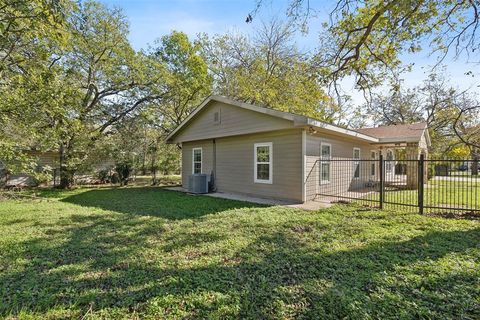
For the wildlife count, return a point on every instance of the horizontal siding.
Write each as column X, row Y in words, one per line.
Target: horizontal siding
column 235, row 165
column 187, row 156
column 42, row 160
column 342, row 173
column 233, row 121
column 51, row 159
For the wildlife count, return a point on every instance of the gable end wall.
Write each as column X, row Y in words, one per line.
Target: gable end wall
column 233, row 121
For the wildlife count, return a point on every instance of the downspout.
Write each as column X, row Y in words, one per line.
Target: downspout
column 214, row 171
column 304, row 165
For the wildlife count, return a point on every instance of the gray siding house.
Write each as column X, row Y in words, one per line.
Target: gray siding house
column 262, row 152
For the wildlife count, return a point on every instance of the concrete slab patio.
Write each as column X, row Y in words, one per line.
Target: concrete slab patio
column 309, row 205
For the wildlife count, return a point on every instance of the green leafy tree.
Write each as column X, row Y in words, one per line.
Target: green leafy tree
column 268, row 70
column 31, row 33
column 366, row 40
column 186, row 79
column 107, row 79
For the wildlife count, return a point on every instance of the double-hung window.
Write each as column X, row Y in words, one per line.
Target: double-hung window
column 263, row 162
column 325, row 164
column 356, row 162
column 197, row 160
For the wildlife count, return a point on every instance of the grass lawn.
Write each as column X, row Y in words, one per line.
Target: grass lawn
column 150, row 253
column 438, row 193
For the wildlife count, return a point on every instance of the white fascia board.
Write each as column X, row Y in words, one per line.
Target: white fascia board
column 326, row 126
column 187, row 119
column 427, row 136
column 398, row 140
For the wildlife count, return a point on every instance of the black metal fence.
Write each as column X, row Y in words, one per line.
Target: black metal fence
column 420, row 185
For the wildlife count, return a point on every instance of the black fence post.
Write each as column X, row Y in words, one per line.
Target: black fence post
column 382, row 181
column 421, row 182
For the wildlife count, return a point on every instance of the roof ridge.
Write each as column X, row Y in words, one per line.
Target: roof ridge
column 393, row 125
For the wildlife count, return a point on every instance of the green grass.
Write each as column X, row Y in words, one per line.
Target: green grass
column 161, row 180
column 438, row 193
column 154, row 254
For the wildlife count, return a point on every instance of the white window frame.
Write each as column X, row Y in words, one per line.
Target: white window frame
column 193, row 160
column 270, row 162
column 356, row 163
column 328, row 161
column 373, row 161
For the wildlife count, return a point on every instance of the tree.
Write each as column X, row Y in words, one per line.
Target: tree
column 186, row 78
column 28, row 29
column 31, row 32
column 467, row 126
column 106, row 78
column 74, row 95
column 366, row 36
column 268, row 70
column 450, row 114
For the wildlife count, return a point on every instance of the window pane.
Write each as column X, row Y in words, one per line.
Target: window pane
column 325, row 151
column 389, row 155
column 263, row 171
column 372, row 169
column 197, row 167
column 263, row 154
column 357, row 170
column 325, row 171
column 197, row 155
column 356, row 154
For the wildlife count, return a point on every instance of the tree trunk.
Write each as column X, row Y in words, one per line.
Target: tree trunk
column 476, row 158
column 66, row 174
column 153, row 170
column 153, row 166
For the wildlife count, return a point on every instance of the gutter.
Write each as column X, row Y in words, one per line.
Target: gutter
column 336, row 129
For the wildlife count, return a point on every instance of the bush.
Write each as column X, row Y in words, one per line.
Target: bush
column 105, row 176
column 123, row 170
column 42, row 175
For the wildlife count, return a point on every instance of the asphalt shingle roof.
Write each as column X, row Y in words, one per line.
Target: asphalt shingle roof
column 414, row 130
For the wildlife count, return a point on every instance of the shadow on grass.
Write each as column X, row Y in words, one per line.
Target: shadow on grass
column 154, row 202
column 99, row 266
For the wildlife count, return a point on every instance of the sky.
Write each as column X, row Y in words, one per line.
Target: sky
column 151, row 19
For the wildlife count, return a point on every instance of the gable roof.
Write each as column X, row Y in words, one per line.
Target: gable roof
column 298, row 120
column 400, row 132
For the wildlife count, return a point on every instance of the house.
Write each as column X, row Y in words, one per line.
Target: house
column 262, row 152
column 49, row 162
column 44, row 161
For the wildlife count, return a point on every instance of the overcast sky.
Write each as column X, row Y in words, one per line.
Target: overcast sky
column 151, row 19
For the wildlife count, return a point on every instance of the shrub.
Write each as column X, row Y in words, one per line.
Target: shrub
column 123, row 170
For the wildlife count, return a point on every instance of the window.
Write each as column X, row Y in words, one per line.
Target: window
column 389, row 162
column 373, row 157
column 263, row 162
column 356, row 164
column 197, row 160
column 325, row 157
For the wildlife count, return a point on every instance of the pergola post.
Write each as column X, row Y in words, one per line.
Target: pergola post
column 412, row 153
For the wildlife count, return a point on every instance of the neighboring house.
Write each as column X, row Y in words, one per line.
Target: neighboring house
column 45, row 160
column 268, row 153
column 49, row 161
